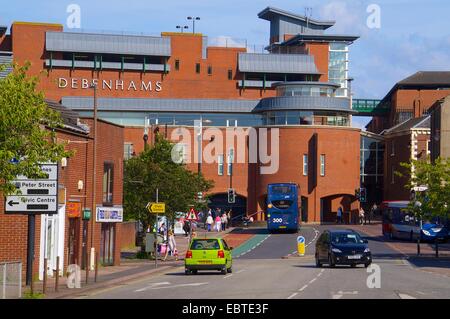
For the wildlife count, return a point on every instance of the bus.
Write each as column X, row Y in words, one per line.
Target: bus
column 399, row 223
column 282, row 207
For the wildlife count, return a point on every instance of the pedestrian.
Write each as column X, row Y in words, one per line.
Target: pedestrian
column 224, row 221
column 229, row 218
column 218, row 225
column 209, row 222
column 372, row 212
column 186, row 228
column 339, row 215
column 361, row 216
column 172, row 245
column 163, row 230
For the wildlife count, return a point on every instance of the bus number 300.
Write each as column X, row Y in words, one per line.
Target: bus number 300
column 277, row 220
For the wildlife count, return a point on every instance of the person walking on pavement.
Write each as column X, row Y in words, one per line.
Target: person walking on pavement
column 209, row 221
column 362, row 216
column 372, row 212
column 339, row 215
column 224, row 221
column 172, row 245
column 218, row 225
column 229, row 218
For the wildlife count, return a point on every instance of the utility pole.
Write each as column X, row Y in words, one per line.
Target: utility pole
column 156, row 232
column 94, row 173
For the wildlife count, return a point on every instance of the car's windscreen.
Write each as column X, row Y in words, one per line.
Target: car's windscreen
column 346, row 238
column 205, row 244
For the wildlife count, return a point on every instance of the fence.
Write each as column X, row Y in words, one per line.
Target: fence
column 10, row 280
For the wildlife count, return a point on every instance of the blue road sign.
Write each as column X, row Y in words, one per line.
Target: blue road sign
column 300, row 239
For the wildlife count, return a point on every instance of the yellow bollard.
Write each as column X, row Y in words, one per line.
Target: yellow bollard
column 301, row 245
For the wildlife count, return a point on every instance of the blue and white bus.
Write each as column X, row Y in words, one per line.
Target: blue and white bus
column 282, row 207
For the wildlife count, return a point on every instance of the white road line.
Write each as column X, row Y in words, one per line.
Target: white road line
column 405, row 296
column 227, row 276
column 153, row 285
column 336, row 296
column 303, row 288
column 293, row 295
column 181, row 285
column 312, row 280
column 242, row 270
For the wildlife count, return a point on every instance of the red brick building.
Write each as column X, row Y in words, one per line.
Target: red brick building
column 297, row 89
column 68, row 234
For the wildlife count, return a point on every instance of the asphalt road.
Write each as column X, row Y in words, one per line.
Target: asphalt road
column 262, row 272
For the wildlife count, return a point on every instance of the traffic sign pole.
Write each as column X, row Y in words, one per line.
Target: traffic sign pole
column 30, row 249
column 156, row 232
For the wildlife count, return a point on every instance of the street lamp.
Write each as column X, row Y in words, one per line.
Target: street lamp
column 94, row 173
column 193, row 22
column 182, row 28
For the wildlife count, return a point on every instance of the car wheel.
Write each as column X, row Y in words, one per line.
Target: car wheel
column 331, row 261
column 194, row 272
column 224, row 270
column 230, row 270
column 318, row 263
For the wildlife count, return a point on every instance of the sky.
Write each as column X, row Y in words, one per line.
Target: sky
column 413, row 35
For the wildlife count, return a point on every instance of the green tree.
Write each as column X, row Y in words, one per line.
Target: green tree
column 154, row 169
column 27, row 129
column 435, row 200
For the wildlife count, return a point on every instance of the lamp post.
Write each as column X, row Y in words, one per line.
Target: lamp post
column 94, row 172
column 182, row 27
column 193, row 22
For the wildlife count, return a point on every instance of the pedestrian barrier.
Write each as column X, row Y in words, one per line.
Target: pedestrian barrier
column 10, row 280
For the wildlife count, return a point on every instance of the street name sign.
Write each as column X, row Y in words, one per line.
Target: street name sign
column 38, row 196
column 156, row 208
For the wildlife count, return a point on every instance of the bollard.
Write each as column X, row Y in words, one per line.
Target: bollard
column 96, row 266
column 57, row 274
column 301, row 245
column 44, row 284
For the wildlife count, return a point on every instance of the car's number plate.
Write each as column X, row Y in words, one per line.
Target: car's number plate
column 205, row 261
column 354, row 257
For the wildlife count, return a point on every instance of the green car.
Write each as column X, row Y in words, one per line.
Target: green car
column 208, row 254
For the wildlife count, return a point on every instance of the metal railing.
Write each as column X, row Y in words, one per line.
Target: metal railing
column 10, row 280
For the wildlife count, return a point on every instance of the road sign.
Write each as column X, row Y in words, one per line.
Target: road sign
column 301, row 245
column 38, row 196
column 192, row 215
column 156, row 208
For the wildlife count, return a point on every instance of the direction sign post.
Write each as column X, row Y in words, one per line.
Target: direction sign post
column 36, row 196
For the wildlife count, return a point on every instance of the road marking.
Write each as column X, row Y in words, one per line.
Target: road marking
column 405, row 296
column 153, row 285
column 242, row 270
column 227, row 276
column 303, row 288
column 293, row 295
column 337, row 296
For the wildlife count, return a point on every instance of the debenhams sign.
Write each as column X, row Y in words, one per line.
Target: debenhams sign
column 111, row 85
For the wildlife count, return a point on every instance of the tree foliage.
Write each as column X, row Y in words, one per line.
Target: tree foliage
column 435, row 201
column 26, row 129
column 154, row 169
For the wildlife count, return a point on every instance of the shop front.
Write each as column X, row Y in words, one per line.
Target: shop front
column 108, row 217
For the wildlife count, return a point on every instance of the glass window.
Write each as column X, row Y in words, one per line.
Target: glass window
column 108, row 181
column 177, row 65
column 220, row 164
column 197, row 67
column 209, row 70
column 128, row 151
column 230, row 74
column 230, row 161
column 322, row 165
column 305, row 164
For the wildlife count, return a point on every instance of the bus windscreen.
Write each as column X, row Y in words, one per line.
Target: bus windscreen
column 281, row 189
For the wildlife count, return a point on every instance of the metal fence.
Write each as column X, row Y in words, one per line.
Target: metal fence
column 10, row 280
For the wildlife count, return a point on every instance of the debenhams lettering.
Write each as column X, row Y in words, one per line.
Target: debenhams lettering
column 112, row 85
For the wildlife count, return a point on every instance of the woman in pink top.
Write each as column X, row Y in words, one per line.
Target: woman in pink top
column 218, row 225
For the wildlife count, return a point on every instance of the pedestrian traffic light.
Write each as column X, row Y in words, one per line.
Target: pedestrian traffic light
column 362, row 195
column 231, row 195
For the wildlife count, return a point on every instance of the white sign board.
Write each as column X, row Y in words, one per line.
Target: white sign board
column 38, row 196
column 109, row 214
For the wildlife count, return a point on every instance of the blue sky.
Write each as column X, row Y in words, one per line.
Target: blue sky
column 414, row 35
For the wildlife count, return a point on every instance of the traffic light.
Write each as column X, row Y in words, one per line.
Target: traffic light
column 231, row 195
column 362, row 195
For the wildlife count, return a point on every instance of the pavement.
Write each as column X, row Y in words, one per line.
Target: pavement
column 266, row 266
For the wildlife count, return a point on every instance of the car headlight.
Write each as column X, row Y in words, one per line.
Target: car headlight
column 426, row 232
column 335, row 250
column 367, row 250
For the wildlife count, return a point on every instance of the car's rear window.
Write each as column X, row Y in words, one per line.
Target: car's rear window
column 205, row 244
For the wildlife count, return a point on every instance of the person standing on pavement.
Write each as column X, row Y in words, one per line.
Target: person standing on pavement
column 229, row 218
column 209, row 221
column 172, row 245
column 339, row 215
column 372, row 212
column 224, row 221
column 218, row 225
column 362, row 216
